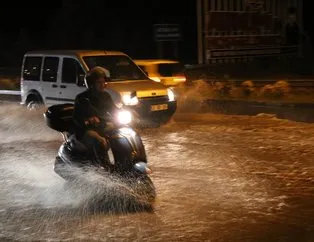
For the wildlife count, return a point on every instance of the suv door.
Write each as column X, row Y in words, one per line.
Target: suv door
column 72, row 80
column 49, row 78
column 30, row 80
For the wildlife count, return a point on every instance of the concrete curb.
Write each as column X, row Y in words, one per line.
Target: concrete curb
column 10, row 92
column 300, row 112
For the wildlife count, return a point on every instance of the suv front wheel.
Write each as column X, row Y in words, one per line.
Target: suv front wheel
column 33, row 103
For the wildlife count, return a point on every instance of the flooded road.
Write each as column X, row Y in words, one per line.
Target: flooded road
column 218, row 178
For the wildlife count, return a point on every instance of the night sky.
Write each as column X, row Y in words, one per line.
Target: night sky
column 119, row 25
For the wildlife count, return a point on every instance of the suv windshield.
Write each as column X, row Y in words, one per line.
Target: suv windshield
column 120, row 67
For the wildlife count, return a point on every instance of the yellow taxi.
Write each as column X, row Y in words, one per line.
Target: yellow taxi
column 168, row 72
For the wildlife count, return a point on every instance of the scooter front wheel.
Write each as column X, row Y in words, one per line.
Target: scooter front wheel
column 144, row 187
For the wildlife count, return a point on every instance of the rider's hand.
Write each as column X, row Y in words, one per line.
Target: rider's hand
column 93, row 120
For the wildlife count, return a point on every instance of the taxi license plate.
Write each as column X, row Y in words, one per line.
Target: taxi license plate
column 159, row 107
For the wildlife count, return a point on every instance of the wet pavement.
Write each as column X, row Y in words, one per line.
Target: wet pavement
column 218, row 178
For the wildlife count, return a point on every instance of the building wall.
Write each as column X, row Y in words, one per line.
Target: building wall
column 250, row 28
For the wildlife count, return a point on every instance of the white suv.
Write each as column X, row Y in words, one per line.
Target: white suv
column 55, row 77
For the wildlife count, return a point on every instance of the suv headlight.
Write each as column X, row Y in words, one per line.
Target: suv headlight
column 170, row 95
column 127, row 100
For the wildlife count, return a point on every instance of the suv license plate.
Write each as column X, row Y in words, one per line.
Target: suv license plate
column 159, row 107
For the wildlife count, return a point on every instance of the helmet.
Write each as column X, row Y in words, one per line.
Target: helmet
column 94, row 74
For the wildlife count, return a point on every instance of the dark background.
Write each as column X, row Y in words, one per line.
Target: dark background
column 115, row 25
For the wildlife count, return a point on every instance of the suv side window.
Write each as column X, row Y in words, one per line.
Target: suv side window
column 72, row 72
column 50, row 69
column 32, row 66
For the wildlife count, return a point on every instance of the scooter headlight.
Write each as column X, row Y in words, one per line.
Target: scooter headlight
column 124, row 117
column 170, row 95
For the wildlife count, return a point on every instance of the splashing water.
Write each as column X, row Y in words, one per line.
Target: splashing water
column 191, row 98
column 19, row 124
column 27, row 151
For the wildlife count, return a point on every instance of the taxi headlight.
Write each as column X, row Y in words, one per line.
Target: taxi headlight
column 170, row 95
column 156, row 79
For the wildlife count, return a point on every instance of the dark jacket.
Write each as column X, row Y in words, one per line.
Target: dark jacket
column 88, row 104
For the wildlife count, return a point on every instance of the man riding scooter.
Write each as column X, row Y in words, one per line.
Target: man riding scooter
column 89, row 106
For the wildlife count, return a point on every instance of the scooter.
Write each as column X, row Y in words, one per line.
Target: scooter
column 126, row 154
